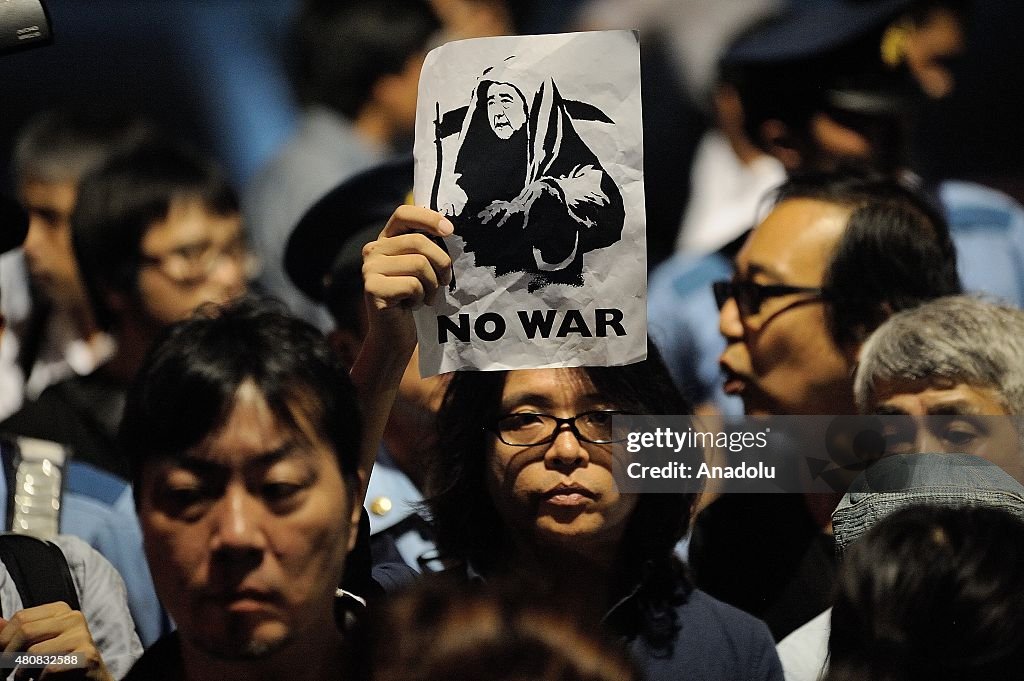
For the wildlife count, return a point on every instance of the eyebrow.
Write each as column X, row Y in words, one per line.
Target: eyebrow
column 544, row 402
column 766, row 269
column 198, row 244
column 952, row 408
column 955, row 408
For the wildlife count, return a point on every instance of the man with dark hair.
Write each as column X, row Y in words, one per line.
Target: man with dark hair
column 157, row 233
column 245, row 435
column 836, row 255
column 249, row 450
column 815, row 87
column 833, row 259
column 841, row 81
column 356, row 71
column 98, row 626
column 56, row 335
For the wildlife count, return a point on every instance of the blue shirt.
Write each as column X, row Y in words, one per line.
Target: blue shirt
column 392, row 503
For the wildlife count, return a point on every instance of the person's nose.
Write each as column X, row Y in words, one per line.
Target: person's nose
column 34, row 238
column 730, row 325
column 927, row 441
column 238, row 522
column 229, row 276
column 566, row 452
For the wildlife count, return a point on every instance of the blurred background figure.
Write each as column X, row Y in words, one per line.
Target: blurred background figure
column 818, row 85
column 57, row 336
column 156, row 233
column 481, row 18
column 440, row 631
column 932, row 593
column 355, row 69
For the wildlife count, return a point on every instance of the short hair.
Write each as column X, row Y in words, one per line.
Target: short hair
column 121, row 200
column 895, row 252
column 62, row 145
column 932, row 593
column 186, row 388
column 445, row 631
column 466, row 521
column 343, row 48
column 960, row 338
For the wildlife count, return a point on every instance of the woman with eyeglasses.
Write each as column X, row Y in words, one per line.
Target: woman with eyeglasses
column 523, row 489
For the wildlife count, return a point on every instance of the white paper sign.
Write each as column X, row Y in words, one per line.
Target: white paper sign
column 533, row 146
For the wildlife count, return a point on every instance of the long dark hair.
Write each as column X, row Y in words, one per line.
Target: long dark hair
column 466, row 521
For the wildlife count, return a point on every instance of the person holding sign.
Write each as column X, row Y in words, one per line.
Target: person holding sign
column 523, row 484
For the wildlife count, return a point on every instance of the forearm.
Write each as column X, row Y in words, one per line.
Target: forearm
column 376, row 375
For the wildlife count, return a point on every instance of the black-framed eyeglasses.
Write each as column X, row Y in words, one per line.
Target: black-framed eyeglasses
column 192, row 265
column 749, row 295
column 525, row 429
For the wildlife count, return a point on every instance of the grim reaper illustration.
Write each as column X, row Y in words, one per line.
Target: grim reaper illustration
column 525, row 192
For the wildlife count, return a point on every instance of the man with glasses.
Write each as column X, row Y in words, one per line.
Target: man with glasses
column 53, row 331
column 833, row 259
column 836, row 255
column 157, row 233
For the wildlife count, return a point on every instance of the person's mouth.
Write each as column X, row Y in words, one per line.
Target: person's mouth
column 568, row 494
column 735, row 383
column 501, row 122
column 242, row 599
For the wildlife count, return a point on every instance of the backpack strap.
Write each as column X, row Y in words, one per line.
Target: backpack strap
column 39, row 569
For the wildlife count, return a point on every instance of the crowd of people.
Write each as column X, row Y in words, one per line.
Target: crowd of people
column 211, row 404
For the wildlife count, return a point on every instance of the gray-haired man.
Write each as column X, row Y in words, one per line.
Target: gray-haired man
column 959, row 359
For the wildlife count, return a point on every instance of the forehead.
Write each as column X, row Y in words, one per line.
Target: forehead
column 935, row 394
column 500, row 89
column 795, row 241
column 189, row 221
column 58, row 195
column 548, row 386
column 252, row 434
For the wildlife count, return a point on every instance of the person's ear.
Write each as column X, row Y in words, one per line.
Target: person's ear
column 777, row 139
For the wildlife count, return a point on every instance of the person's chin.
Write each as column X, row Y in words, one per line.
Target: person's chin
column 567, row 525
column 245, row 637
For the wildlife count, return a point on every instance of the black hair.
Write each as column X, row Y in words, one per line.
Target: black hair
column 444, row 630
column 341, row 49
column 121, row 200
column 185, row 390
column 60, row 145
column 895, row 253
column 932, row 593
column 466, row 521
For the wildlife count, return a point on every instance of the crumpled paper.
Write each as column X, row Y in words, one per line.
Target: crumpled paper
column 533, row 145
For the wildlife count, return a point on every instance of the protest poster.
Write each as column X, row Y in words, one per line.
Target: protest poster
column 533, row 147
